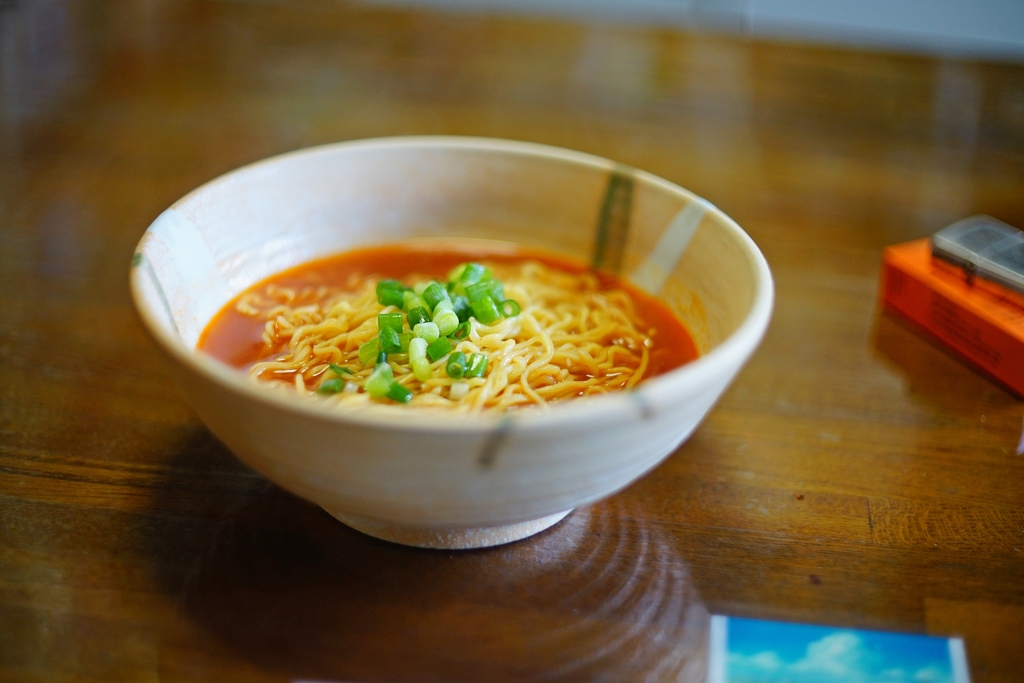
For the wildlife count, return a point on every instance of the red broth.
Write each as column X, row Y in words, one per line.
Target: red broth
column 236, row 339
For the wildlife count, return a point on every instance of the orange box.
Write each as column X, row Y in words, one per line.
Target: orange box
column 978, row 319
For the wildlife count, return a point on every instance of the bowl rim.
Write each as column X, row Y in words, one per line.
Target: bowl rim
column 686, row 380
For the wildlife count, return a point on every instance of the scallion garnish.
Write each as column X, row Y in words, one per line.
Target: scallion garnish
column 447, row 322
column 389, row 341
column 473, row 272
column 510, row 308
column 464, row 275
column 497, row 290
column 339, row 370
column 390, row 321
column 477, row 365
column 442, row 306
column 380, row 381
column 390, row 293
column 478, row 291
column 390, row 297
column 456, row 367
column 368, row 351
column 411, row 301
column 439, row 349
column 428, row 331
column 331, row 386
column 387, row 283
column 460, row 305
column 445, row 317
column 455, row 274
column 435, row 294
column 418, row 359
column 485, row 310
column 418, row 315
column 437, row 314
column 396, row 392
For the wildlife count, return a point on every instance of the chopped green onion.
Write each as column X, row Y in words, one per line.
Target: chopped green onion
column 398, row 393
column 435, row 294
column 412, row 301
column 389, row 342
column 427, row 331
column 473, row 272
column 386, row 284
column 417, row 349
column 380, row 381
column 460, row 305
column 422, row 370
column 441, row 306
column 478, row 291
column 369, row 351
column 477, row 365
column 455, row 274
column 339, row 370
column 418, row 359
column 390, row 297
column 447, row 322
column 485, row 310
column 466, row 274
column 456, row 365
column 390, row 321
column 439, row 349
column 510, row 308
column 438, row 314
column 331, row 386
column 418, row 315
column 497, row 290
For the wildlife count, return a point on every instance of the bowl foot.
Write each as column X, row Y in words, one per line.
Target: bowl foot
column 448, row 539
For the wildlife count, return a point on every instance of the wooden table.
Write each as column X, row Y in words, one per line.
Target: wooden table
column 854, row 474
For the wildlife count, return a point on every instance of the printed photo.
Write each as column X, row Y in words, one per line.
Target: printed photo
column 755, row 651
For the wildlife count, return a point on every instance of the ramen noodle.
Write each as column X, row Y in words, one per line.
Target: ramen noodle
column 458, row 329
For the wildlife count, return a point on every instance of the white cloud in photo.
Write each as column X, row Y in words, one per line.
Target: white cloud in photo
column 931, row 674
column 838, row 657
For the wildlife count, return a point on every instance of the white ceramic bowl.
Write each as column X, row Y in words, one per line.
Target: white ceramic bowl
column 451, row 481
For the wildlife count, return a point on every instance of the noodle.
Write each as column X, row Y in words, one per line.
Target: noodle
column 571, row 338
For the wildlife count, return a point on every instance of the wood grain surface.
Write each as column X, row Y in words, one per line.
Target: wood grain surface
column 854, row 474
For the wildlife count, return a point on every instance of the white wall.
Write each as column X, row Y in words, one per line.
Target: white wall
column 968, row 28
column 971, row 27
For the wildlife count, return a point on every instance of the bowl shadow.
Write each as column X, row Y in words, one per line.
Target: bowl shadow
column 265, row 579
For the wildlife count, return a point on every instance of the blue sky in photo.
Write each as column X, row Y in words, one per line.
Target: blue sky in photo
column 776, row 652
